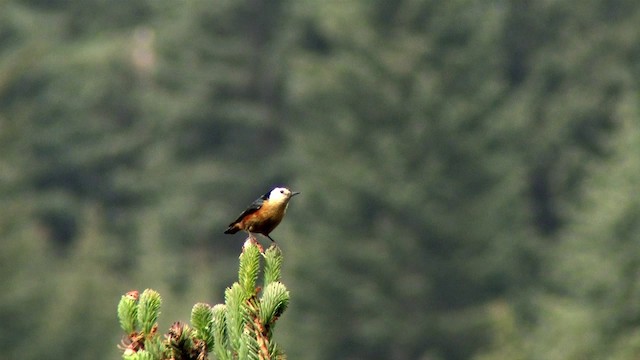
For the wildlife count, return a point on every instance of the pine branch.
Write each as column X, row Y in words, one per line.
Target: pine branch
column 128, row 312
column 241, row 328
column 274, row 302
column 235, row 315
column 272, row 265
column 148, row 310
column 249, row 267
column 202, row 321
column 222, row 346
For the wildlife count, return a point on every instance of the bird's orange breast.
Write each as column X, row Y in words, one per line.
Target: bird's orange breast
column 265, row 219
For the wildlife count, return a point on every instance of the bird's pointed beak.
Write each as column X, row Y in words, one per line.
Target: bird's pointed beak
column 295, row 193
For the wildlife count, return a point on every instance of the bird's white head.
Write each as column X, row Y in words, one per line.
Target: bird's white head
column 281, row 195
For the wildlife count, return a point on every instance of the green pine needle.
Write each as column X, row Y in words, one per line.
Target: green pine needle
column 273, row 265
column 155, row 347
column 249, row 349
column 221, row 346
column 128, row 313
column 249, row 268
column 145, row 355
column 202, row 322
column 274, row 301
column 235, row 299
column 149, row 310
column 275, row 352
column 140, row 355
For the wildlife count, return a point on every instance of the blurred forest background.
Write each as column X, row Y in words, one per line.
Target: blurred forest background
column 469, row 171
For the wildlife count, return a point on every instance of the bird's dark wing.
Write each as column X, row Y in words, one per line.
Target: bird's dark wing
column 255, row 206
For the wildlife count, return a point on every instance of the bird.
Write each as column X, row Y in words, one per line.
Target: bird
column 264, row 214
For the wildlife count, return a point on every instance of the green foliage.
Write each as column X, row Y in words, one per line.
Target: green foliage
column 272, row 265
column 234, row 298
column 148, row 310
column 202, row 321
column 140, row 355
column 274, row 301
column 249, row 268
column 241, row 328
column 128, row 312
column 249, row 319
column 222, row 347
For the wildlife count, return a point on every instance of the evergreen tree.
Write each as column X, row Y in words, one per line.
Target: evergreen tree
column 419, row 196
column 593, row 276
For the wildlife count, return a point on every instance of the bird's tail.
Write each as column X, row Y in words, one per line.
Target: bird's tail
column 233, row 228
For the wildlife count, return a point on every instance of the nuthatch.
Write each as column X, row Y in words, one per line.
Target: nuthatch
column 264, row 214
